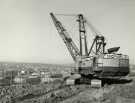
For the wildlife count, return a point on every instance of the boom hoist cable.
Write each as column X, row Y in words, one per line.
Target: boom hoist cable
column 66, row 14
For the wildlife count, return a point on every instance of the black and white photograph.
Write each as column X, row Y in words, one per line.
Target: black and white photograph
column 67, row 51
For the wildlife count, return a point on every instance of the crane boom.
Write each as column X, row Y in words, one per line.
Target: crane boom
column 73, row 49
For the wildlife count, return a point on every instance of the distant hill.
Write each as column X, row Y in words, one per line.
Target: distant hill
column 41, row 66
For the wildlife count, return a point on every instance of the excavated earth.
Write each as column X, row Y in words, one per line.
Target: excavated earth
column 57, row 92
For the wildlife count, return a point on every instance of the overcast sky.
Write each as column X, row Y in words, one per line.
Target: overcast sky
column 27, row 33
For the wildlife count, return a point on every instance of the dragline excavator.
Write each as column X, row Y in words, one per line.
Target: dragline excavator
column 94, row 65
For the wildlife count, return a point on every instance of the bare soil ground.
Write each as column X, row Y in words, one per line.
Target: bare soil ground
column 57, row 93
